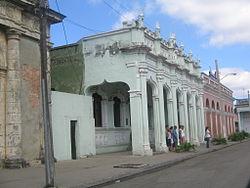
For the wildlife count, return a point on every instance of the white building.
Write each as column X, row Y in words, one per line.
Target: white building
column 132, row 84
column 243, row 110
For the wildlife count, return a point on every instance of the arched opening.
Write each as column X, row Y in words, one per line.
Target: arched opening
column 213, row 105
column 166, row 96
column 207, row 103
column 180, row 111
column 225, row 108
column 218, row 106
column 97, row 109
column 117, row 112
column 150, row 106
column 111, row 111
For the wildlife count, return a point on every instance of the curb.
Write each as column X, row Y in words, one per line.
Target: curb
column 152, row 168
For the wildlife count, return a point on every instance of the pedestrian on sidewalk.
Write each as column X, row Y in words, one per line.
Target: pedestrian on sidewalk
column 175, row 137
column 181, row 134
column 207, row 136
column 169, row 138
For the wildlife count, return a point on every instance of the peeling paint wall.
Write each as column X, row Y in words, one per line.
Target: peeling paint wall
column 2, row 92
column 31, row 97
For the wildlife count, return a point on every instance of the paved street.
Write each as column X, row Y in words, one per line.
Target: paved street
column 227, row 168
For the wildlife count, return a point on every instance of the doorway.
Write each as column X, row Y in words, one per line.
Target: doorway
column 73, row 124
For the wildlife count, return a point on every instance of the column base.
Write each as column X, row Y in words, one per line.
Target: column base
column 15, row 163
column 144, row 151
column 147, row 150
column 162, row 148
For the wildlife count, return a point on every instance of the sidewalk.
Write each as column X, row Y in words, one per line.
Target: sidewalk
column 97, row 170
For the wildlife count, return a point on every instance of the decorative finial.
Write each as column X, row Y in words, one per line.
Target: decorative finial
column 157, row 30
column 140, row 20
column 172, row 40
column 190, row 54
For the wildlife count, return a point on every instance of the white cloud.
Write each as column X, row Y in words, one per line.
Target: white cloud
column 126, row 16
column 225, row 21
column 239, row 83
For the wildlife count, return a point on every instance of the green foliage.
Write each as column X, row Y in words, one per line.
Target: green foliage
column 219, row 141
column 185, row 147
column 239, row 136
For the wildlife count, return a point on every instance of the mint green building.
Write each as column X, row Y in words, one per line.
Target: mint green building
column 118, row 90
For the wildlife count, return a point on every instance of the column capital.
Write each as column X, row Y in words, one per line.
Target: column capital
column 143, row 71
column 184, row 88
column 170, row 100
column 173, row 83
column 13, row 33
column 156, row 98
column 160, row 76
column 134, row 93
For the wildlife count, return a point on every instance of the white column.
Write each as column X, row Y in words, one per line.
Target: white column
column 240, row 126
column 186, row 125
column 163, row 147
column 123, row 114
column 202, row 116
column 157, row 126
column 175, row 112
column 110, row 113
column 104, row 105
column 144, row 105
column 196, row 140
column 136, row 122
column 191, row 120
column 13, row 97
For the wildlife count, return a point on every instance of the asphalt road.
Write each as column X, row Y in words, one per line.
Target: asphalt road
column 227, row 168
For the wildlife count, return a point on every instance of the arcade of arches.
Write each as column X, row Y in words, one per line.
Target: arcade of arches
column 159, row 108
column 219, row 119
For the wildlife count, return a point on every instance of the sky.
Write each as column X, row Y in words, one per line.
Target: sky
column 210, row 29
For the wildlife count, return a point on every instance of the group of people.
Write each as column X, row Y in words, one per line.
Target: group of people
column 172, row 136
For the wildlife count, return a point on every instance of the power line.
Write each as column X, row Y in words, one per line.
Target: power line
column 84, row 27
column 124, row 8
column 63, row 26
column 68, row 53
column 113, row 8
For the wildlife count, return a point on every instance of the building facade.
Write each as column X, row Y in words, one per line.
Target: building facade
column 20, row 101
column 134, row 84
column 243, row 110
column 218, row 106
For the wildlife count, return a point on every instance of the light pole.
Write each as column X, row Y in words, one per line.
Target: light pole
column 229, row 74
column 48, row 140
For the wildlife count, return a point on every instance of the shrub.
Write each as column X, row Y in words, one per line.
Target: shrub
column 219, row 141
column 239, row 136
column 185, row 147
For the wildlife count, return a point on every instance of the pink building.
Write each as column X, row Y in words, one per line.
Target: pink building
column 218, row 106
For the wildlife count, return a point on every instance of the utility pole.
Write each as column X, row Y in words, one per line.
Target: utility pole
column 48, row 141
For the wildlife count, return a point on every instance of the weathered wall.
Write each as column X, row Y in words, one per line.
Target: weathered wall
column 65, row 108
column 67, row 69
column 2, row 91
column 30, row 95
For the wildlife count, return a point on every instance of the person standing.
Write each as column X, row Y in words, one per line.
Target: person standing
column 175, row 137
column 169, row 137
column 182, row 134
column 207, row 136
